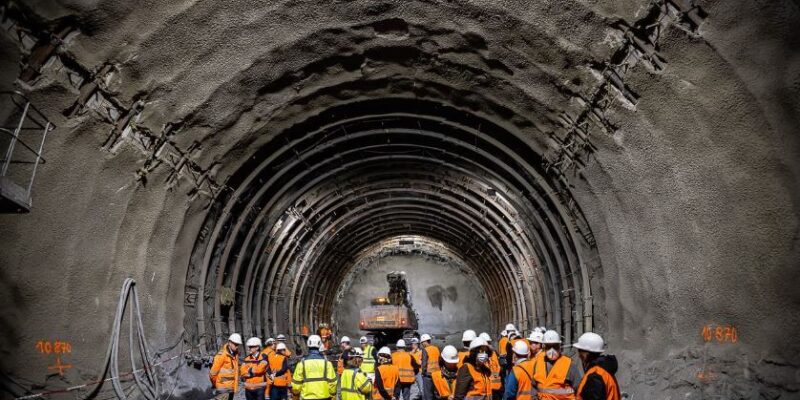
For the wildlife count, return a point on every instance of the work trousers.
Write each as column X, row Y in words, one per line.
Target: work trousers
column 223, row 395
column 427, row 387
column 254, row 394
column 278, row 393
column 405, row 390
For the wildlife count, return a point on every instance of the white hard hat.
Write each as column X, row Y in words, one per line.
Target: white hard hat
column 591, row 342
column 521, row 348
column 414, row 340
column 270, row 341
column 313, row 341
column 510, row 327
column 538, row 329
column 536, row 336
column 254, row 342
column 280, row 346
column 551, row 337
column 362, row 340
column 235, row 338
column 485, row 336
column 401, row 344
column 477, row 342
column 281, row 338
column 345, row 339
column 385, row 351
column 450, row 354
column 504, row 333
column 356, row 352
column 468, row 336
column 425, row 338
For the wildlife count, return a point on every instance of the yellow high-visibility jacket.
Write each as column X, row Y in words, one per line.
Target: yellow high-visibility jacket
column 314, row 378
column 354, row 385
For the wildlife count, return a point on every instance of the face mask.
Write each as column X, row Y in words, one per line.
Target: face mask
column 482, row 357
column 552, row 354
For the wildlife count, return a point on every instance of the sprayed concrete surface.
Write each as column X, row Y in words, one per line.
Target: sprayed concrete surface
column 692, row 195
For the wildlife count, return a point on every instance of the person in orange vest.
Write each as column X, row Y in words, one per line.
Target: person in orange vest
column 519, row 384
column 556, row 375
column 325, row 333
column 281, row 338
column 535, row 341
column 387, row 377
column 269, row 347
column 254, row 371
column 280, row 374
column 466, row 338
column 416, row 352
column 407, row 366
column 430, row 364
column 494, row 365
column 344, row 344
column 474, row 377
column 444, row 378
column 501, row 348
column 599, row 382
column 224, row 372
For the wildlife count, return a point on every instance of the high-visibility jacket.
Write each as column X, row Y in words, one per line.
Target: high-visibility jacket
column 340, row 362
column 368, row 365
column 275, row 365
column 612, row 389
column 481, row 384
column 390, row 377
column 402, row 360
column 254, row 372
column 224, row 372
column 433, row 358
column 354, row 385
column 494, row 366
column 553, row 386
column 314, row 378
column 501, row 346
column 462, row 355
column 417, row 354
column 444, row 388
column 268, row 352
column 523, row 372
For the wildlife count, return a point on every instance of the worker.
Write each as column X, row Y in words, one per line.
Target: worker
column 494, row 366
column 416, row 352
column 224, row 372
column 430, row 364
column 501, row 348
column 386, row 385
column 535, row 342
column 282, row 339
column 474, row 377
column 555, row 374
column 466, row 338
column 269, row 347
column 444, row 377
column 353, row 383
column 599, row 382
column 254, row 371
column 280, row 374
column 325, row 333
column 314, row 377
column 370, row 355
column 408, row 368
column 519, row 384
column 344, row 344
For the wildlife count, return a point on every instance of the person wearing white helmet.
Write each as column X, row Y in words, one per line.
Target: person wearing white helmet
column 556, row 375
column 474, row 377
column 430, row 364
column 280, row 373
column 224, row 372
column 408, row 368
column 386, row 385
column 254, row 370
column 344, row 344
column 535, row 341
column 269, row 348
column 282, row 339
column 370, row 356
column 416, row 352
column 353, row 383
column 494, row 365
column 519, row 383
column 314, row 377
column 502, row 350
column 466, row 338
column 599, row 381
column 444, row 378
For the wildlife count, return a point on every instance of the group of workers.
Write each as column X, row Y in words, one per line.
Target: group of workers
column 518, row 368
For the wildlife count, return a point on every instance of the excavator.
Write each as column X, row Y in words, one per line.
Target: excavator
column 390, row 318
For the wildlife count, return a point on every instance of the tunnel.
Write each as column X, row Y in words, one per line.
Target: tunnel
column 628, row 168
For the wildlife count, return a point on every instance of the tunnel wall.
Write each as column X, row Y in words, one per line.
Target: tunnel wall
column 446, row 300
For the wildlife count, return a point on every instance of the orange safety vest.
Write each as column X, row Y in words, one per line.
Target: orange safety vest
column 612, row 389
column 443, row 388
column 224, row 372
column 481, row 385
column 390, row 375
column 524, row 374
column 417, row 354
column 502, row 345
column 494, row 366
column 258, row 366
column 433, row 358
column 553, row 386
column 275, row 364
column 462, row 355
column 402, row 360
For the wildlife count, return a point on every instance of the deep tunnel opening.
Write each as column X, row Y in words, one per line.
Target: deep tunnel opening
column 284, row 238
